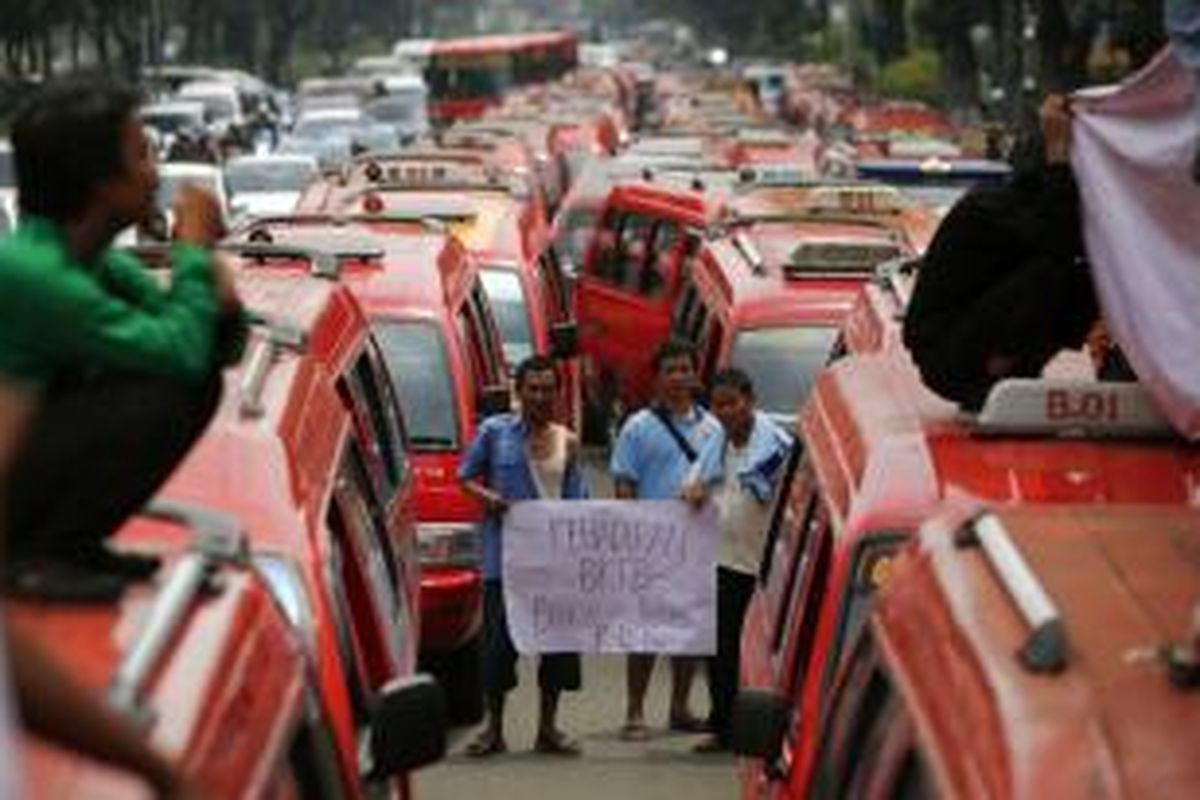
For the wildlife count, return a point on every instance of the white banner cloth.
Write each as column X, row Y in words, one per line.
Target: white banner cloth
column 611, row 576
column 1132, row 152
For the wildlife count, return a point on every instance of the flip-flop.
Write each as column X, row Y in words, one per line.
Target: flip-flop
column 635, row 732
column 486, row 745
column 556, row 745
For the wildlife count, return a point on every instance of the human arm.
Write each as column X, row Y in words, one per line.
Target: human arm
column 54, row 706
column 473, row 471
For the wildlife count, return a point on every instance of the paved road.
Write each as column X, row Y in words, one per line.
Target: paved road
column 664, row 768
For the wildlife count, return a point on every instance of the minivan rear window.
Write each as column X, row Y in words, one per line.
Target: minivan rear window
column 415, row 354
column 782, row 363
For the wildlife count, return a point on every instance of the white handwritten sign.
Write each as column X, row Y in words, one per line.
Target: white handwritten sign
column 611, row 576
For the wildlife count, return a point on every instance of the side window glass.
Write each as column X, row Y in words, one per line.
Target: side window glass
column 699, row 319
column 782, row 499
column 633, row 251
column 484, row 330
column 558, row 299
column 367, row 575
column 809, row 596
column 797, row 568
column 870, row 569
column 393, row 418
column 683, row 310
column 653, row 280
column 605, row 252
column 858, row 702
column 313, row 769
column 386, row 440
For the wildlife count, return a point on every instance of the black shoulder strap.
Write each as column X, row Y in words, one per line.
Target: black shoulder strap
column 664, row 417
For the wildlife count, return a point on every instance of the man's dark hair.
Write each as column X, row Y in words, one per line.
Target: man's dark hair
column 673, row 349
column 535, row 364
column 736, row 379
column 67, row 140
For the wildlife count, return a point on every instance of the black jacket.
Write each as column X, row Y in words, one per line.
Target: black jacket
column 1006, row 274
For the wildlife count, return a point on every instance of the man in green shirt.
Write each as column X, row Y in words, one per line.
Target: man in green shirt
column 124, row 374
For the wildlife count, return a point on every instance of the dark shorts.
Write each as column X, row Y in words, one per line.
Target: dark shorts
column 558, row 671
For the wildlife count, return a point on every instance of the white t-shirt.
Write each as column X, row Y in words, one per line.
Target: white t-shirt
column 744, row 519
column 10, row 759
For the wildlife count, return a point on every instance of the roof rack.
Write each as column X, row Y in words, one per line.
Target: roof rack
column 750, row 252
column 432, row 222
column 219, row 539
column 324, row 263
column 1064, row 407
column 1046, row 648
column 897, row 278
column 278, row 336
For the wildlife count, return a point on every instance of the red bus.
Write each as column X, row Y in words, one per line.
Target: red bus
column 467, row 76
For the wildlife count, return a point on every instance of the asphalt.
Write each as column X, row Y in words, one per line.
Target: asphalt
column 662, row 768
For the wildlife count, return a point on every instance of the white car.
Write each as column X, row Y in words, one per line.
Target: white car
column 222, row 104
column 404, row 106
column 169, row 119
column 268, row 185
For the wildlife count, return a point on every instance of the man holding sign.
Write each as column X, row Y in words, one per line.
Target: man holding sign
column 516, row 457
column 651, row 458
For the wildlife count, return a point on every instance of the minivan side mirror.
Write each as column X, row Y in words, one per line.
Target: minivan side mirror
column 408, row 726
column 760, row 721
column 564, row 340
column 495, row 399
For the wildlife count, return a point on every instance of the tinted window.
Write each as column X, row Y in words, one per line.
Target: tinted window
column 870, row 569
column 783, row 363
column 507, row 300
column 574, row 236
column 415, row 355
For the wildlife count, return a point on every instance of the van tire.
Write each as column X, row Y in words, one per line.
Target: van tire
column 462, row 679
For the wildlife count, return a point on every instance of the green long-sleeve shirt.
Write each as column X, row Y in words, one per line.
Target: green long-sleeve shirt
column 57, row 314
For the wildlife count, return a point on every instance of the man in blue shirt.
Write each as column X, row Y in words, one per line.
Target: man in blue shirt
column 517, row 457
column 653, row 455
column 740, row 469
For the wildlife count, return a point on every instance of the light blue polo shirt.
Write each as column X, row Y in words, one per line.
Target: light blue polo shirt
column 647, row 456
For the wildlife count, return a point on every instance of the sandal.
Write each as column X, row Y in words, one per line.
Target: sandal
column 486, row 744
column 635, row 731
column 556, row 744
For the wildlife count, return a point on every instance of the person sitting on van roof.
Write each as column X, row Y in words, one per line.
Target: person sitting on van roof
column 124, row 375
column 740, row 468
column 1005, row 283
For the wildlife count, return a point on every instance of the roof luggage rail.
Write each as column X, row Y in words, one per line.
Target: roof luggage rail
column 324, row 263
column 1070, row 408
column 1046, row 648
column 259, row 225
column 219, row 539
column 897, row 278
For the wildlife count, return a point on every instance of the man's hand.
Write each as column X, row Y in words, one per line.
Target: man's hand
column 198, row 219
column 694, row 494
column 495, row 504
column 1055, row 117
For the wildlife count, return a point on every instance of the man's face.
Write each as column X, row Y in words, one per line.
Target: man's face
column 538, row 391
column 734, row 410
column 129, row 195
column 677, row 380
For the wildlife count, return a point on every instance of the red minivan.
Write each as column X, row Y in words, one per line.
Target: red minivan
column 425, row 300
column 879, row 453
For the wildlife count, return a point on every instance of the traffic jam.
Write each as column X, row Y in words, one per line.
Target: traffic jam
column 966, row 579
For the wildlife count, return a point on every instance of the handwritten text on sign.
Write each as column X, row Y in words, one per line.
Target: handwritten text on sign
column 607, row 576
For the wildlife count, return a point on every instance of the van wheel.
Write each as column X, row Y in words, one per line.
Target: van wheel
column 462, row 680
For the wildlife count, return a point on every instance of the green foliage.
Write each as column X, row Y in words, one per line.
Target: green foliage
column 915, row 77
